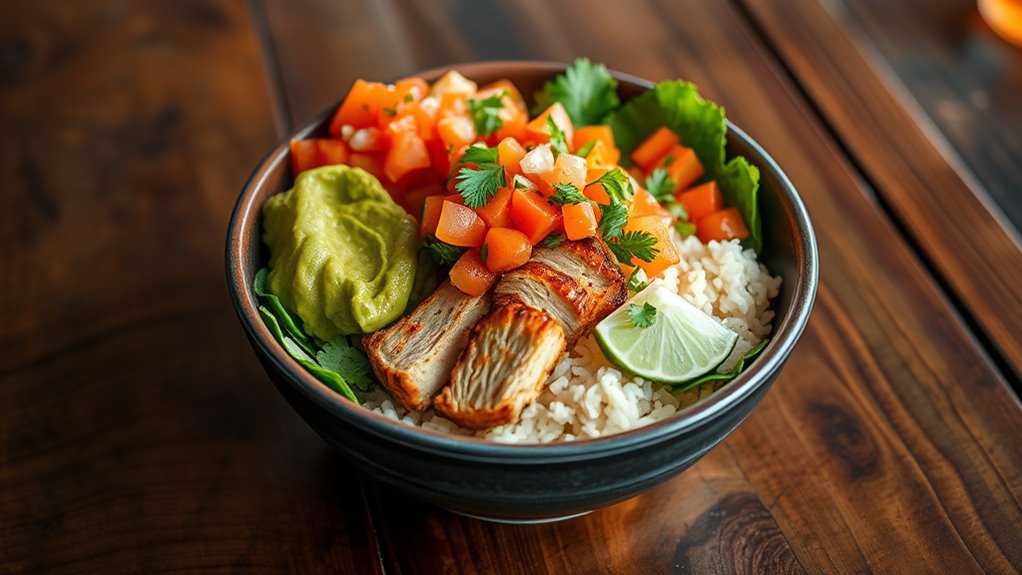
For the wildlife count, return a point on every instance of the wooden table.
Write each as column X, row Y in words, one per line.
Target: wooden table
column 138, row 434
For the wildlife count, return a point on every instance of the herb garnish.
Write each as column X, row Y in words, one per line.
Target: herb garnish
column 566, row 194
column 643, row 316
column 485, row 113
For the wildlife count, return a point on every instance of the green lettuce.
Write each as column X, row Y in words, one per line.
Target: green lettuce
column 700, row 124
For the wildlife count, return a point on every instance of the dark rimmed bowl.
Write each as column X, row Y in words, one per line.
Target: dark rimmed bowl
column 526, row 483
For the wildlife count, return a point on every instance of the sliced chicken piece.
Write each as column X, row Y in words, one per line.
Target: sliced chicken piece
column 414, row 357
column 508, row 360
column 577, row 283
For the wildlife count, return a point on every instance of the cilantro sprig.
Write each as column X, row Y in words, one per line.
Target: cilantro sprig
column 566, row 194
column 485, row 113
column 586, row 90
column 634, row 244
column 558, row 141
column 478, row 185
column 660, row 185
column 643, row 316
column 552, row 241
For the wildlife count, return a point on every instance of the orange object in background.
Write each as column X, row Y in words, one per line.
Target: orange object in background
column 701, row 200
column 1005, row 17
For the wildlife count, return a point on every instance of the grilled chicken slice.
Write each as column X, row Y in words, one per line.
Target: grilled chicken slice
column 413, row 357
column 577, row 283
column 508, row 360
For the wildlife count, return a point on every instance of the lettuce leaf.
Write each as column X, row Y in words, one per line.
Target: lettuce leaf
column 700, row 124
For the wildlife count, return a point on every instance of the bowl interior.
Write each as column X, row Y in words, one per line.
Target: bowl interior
column 789, row 251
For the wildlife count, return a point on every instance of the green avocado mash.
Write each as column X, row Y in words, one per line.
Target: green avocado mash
column 342, row 253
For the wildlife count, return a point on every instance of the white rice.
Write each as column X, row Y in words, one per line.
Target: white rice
column 589, row 397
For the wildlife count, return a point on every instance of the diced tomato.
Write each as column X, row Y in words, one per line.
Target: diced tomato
column 431, row 208
column 655, row 147
column 596, row 192
column 727, row 224
column 453, row 104
column 638, row 173
column 506, row 249
column 400, row 123
column 600, row 133
column 308, row 154
column 682, row 165
column 509, row 155
column 470, row 274
column 644, row 204
column 460, row 226
column 417, row 88
column 701, row 200
column 370, row 162
column 407, row 152
column 539, row 131
column 533, row 216
column 568, row 169
column 368, row 140
column 514, row 124
column 602, row 155
column 497, row 212
column 579, row 220
column 668, row 253
column 356, row 109
column 456, row 131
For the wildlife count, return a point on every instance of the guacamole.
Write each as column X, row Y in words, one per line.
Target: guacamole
column 342, row 253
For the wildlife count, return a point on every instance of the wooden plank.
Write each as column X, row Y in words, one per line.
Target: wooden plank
column 889, row 429
column 938, row 201
column 969, row 84
column 137, row 432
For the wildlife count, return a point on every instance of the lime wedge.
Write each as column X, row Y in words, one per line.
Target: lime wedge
column 682, row 343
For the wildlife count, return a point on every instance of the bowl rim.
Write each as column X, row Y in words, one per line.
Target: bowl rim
column 241, row 232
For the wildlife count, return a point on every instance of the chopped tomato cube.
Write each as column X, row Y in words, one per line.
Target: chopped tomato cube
column 470, row 274
column 506, row 249
column 727, row 224
column 509, row 155
column 456, row 131
column 682, row 165
column 568, row 169
column 460, row 226
column 497, row 212
column 655, row 147
column 579, row 220
column 308, row 154
column 407, row 152
column 533, row 216
column 539, row 131
column 701, row 200
column 666, row 256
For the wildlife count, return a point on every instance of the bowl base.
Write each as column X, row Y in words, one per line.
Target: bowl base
column 513, row 521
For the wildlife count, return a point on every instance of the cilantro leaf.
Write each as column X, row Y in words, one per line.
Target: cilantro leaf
column 637, row 280
column 551, row 241
column 642, row 316
column 479, row 185
column 617, row 184
column 615, row 216
column 566, row 194
column 442, row 253
column 587, row 147
column 520, row 184
column 485, row 115
column 677, row 210
column 701, row 125
column 479, row 154
column 349, row 362
column 659, row 184
column 634, row 244
column 587, row 91
column 484, row 253
column 558, row 141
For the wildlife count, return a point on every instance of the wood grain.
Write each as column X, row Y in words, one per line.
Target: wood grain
column 137, row 432
column 938, row 201
column 968, row 83
column 889, row 443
